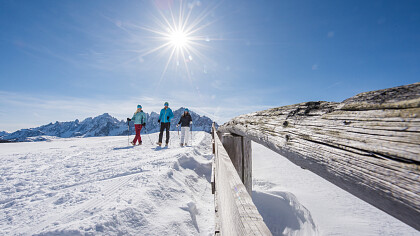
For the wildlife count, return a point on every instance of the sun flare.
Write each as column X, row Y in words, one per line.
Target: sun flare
column 179, row 39
column 181, row 35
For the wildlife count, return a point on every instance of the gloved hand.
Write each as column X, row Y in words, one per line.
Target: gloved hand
column 167, row 118
column 191, row 122
column 128, row 119
column 158, row 121
column 144, row 125
column 177, row 125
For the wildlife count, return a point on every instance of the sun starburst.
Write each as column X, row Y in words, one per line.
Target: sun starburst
column 179, row 39
column 179, row 35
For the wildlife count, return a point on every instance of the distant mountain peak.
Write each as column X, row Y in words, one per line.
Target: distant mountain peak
column 105, row 115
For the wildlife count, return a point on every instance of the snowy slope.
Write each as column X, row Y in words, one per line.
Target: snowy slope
column 311, row 205
column 102, row 125
column 101, row 186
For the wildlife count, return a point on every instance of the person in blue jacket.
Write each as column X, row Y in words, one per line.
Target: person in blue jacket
column 139, row 119
column 165, row 123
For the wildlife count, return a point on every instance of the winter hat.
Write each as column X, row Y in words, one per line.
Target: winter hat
column 139, row 106
column 166, row 104
column 186, row 109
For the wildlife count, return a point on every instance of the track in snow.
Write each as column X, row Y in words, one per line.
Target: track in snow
column 101, row 185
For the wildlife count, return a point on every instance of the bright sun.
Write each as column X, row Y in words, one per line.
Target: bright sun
column 179, row 33
column 179, row 39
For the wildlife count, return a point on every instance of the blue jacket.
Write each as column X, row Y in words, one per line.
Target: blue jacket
column 164, row 114
column 139, row 118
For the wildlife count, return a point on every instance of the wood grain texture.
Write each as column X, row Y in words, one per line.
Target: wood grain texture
column 236, row 213
column 212, row 180
column 247, row 164
column 240, row 153
column 233, row 147
column 369, row 144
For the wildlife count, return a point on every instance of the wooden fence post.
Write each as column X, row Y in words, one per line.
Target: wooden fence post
column 247, row 164
column 213, row 130
column 240, row 153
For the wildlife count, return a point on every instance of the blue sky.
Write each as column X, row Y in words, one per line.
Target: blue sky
column 62, row 60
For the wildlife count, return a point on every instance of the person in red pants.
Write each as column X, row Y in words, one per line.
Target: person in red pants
column 139, row 119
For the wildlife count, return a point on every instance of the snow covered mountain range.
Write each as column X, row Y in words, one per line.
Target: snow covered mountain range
column 103, row 125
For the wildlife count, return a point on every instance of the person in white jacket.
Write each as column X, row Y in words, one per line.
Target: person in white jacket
column 185, row 123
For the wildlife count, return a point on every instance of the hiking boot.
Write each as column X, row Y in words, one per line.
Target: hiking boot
column 140, row 143
column 186, row 144
column 159, row 144
column 166, row 144
column 132, row 143
column 181, row 144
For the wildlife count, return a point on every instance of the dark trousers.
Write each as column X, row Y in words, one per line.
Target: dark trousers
column 137, row 137
column 163, row 126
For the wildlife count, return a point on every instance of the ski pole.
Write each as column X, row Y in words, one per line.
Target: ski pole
column 178, row 133
column 145, row 130
column 128, row 132
column 191, row 135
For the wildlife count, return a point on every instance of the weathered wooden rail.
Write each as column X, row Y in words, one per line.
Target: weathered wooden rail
column 236, row 214
column 369, row 145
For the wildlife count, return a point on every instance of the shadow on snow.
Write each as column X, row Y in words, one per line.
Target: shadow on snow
column 121, row 148
column 283, row 214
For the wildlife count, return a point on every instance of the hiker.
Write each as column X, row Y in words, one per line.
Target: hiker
column 139, row 118
column 165, row 123
column 185, row 122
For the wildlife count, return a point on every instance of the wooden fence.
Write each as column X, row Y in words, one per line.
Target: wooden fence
column 236, row 214
column 369, row 145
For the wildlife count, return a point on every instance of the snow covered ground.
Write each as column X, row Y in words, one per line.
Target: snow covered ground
column 101, row 186
column 295, row 201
